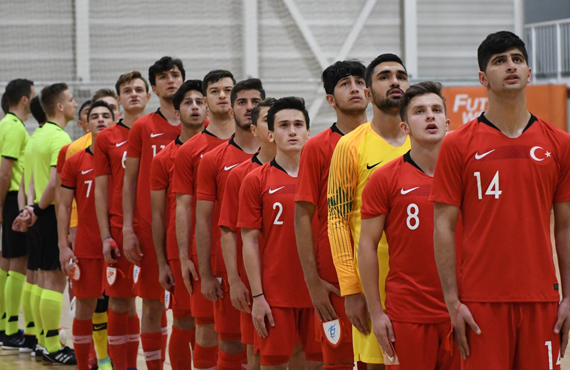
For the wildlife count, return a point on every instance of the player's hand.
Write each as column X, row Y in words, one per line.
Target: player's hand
column 189, row 273
column 384, row 332
column 320, row 295
column 31, row 220
column 65, row 255
column 259, row 311
column 20, row 223
column 131, row 247
column 211, row 288
column 239, row 295
column 563, row 324
column 111, row 251
column 165, row 276
column 463, row 318
column 357, row 312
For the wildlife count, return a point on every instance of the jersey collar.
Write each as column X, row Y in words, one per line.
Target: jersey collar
column 274, row 163
column 88, row 150
column 484, row 120
column 254, row 159
column 120, row 123
column 408, row 158
column 18, row 118
column 160, row 114
column 177, row 141
column 205, row 131
column 233, row 142
column 53, row 123
column 334, row 128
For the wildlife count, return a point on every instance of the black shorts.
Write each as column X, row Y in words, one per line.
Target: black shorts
column 48, row 242
column 34, row 252
column 13, row 243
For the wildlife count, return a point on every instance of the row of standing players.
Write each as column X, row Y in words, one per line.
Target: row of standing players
column 261, row 193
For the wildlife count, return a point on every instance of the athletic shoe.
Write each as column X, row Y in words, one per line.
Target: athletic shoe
column 63, row 356
column 2, row 336
column 38, row 352
column 30, row 342
column 107, row 366
column 14, row 341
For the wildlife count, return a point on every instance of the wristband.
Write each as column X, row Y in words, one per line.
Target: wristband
column 258, row 295
column 106, row 237
column 38, row 211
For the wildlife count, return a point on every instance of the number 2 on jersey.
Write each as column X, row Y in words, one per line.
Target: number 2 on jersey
column 492, row 189
column 277, row 221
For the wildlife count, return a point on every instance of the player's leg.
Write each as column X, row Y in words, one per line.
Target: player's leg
column 83, row 330
column 279, row 345
column 446, row 360
column 337, row 354
column 100, row 336
column 307, row 334
column 30, row 335
column 32, row 275
column 538, row 347
column 4, row 266
column 247, row 335
column 417, row 346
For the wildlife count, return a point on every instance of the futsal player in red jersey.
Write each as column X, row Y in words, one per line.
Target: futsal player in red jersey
column 415, row 324
column 346, row 92
column 191, row 108
column 505, row 171
column 281, row 311
column 110, row 157
column 212, row 175
column 148, row 136
column 217, row 85
column 231, row 238
column 77, row 179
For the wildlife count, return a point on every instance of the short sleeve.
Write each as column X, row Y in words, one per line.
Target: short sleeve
column 447, row 180
column 182, row 176
column 562, row 192
column 61, row 159
column 68, row 174
column 376, row 195
column 206, row 184
column 310, row 172
column 57, row 143
column 249, row 214
column 230, row 200
column 159, row 172
column 134, row 142
column 14, row 143
column 102, row 160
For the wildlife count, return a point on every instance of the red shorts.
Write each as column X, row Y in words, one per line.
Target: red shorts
column 422, row 347
column 247, row 328
column 90, row 283
column 292, row 326
column 147, row 285
column 513, row 336
column 226, row 316
column 181, row 301
column 341, row 352
column 122, row 286
column 202, row 308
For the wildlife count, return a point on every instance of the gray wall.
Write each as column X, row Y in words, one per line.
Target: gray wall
column 545, row 10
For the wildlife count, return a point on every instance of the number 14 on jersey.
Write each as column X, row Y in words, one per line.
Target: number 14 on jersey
column 492, row 189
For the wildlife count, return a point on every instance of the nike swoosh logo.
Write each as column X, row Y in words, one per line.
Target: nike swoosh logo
column 84, row 172
column 227, row 168
column 369, row 167
column 98, row 327
column 155, row 135
column 404, row 192
column 271, row 191
column 479, row 156
column 120, row 144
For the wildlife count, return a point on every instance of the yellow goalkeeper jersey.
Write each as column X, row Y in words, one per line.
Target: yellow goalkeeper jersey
column 75, row 147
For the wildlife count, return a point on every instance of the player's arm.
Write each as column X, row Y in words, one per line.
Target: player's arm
column 318, row 288
column 562, row 241
column 131, row 245
column 6, row 165
column 22, row 192
column 102, row 210
column 18, row 224
column 211, row 288
column 239, row 293
column 48, row 197
column 370, row 234
column 64, row 211
column 183, row 222
column 157, row 202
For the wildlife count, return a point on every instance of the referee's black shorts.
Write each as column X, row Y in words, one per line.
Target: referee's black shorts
column 13, row 243
column 48, row 243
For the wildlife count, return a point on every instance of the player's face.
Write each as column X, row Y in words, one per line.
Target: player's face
column 167, row 83
column 99, row 119
column 427, row 122
column 261, row 131
column 133, row 95
column 246, row 100
column 389, row 82
column 289, row 131
column 506, row 71
column 68, row 105
column 192, row 109
column 350, row 95
column 218, row 96
column 114, row 104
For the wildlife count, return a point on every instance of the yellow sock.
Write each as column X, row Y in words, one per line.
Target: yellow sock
column 50, row 310
column 3, row 277
column 100, row 334
column 29, row 325
column 35, row 300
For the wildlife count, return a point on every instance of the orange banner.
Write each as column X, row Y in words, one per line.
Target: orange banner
column 549, row 102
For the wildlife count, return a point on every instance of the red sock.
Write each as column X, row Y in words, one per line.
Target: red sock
column 361, row 365
column 179, row 348
column 82, row 342
column 204, row 357
column 164, row 331
column 229, row 361
column 152, row 344
column 133, row 330
column 117, row 330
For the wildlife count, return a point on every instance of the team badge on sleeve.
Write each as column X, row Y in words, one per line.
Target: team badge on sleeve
column 136, row 273
column 333, row 332
column 111, row 275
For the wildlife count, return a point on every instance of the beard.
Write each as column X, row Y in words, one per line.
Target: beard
column 241, row 125
column 386, row 104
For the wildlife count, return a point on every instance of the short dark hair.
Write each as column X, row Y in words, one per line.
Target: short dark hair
column 419, row 89
column 4, row 103
column 215, row 76
column 37, row 111
column 103, row 93
column 267, row 102
column 162, row 65
column 288, row 102
column 128, row 77
column 383, row 58
column 50, row 95
column 249, row 84
column 496, row 43
column 100, row 103
column 85, row 104
column 341, row 69
column 182, row 90
column 16, row 89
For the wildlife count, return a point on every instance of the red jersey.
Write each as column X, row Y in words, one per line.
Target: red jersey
column 211, row 182
column 161, row 179
column 148, row 136
column 230, row 203
column 78, row 174
column 313, row 179
column 186, row 170
column 267, row 202
column 505, row 188
column 61, row 159
column 400, row 190
column 110, row 158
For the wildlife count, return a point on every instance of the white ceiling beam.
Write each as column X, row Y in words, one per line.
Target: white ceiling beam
column 82, row 41
column 250, row 39
column 410, row 19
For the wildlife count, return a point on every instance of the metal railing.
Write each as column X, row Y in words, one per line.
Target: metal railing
column 548, row 45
